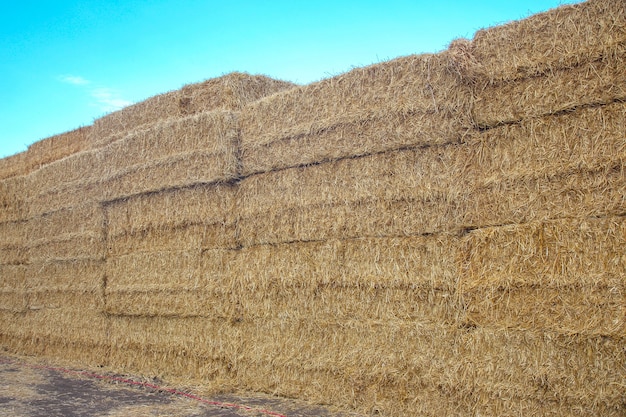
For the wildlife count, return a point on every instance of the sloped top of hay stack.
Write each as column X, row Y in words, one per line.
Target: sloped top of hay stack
column 229, row 92
column 561, row 38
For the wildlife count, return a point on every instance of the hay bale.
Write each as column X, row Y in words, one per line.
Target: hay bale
column 198, row 217
column 13, row 197
column 14, row 165
column 13, row 255
column 188, row 237
column 78, row 246
column 74, row 169
column 562, row 38
column 12, row 288
column 562, row 275
column 151, row 283
column 87, row 219
column 596, row 83
column 64, row 197
column 229, row 92
column 71, row 275
column 421, row 91
column 13, row 234
column 379, row 279
column 63, row 325
column 57, row 147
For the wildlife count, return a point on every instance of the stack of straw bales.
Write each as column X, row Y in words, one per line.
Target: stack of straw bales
column 434, row 235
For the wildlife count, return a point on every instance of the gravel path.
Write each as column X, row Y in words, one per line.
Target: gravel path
column 31, row 389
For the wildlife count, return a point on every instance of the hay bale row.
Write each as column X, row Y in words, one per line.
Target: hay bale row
column 200, row 148
column 418, row 95
column 596, row 83
column 458, row 208
column 432, row 367
column 321, row 278
column 229, row 92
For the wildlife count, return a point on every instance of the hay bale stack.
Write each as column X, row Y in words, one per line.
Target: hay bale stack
column 565, row 58
column 537, row 169
column 356, row 241
column 409, row 101
column 229, row 92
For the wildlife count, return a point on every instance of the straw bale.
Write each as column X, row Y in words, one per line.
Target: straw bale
column 86, row 275
column 348, row 138
column 190, row 349
column 14, row 165
column 174, row 208
column 87, row 219
column 13, row 234
column 188, row 237
column 66, row 196
column 76, row 246
column 12, row 288
column 565, row 37
column 142, row 283
column 13, row 255
column 212, row 132
column 175, row 172
column 577, row 195
column 597, row 83
column 12, row 199
column 561, row 275
column 57, row 147
column 413, row 87
column 76, row 168
column 229, row 92
column 586, row 139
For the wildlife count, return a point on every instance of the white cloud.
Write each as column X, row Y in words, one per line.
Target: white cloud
column 106, row 99
column 74, row 80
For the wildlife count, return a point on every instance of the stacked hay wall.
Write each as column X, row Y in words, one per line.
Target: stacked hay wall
column 434, row 235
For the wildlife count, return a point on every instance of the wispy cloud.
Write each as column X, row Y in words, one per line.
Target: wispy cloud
column 109, row 99
column 74, row 80
column 105, row 98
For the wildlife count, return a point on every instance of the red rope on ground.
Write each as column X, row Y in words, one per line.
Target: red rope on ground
column 144, row 385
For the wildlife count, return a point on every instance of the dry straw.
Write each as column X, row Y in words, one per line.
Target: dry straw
column 69, row 275
column 229, row 92
column 57, row 147
column 562, row 275
column 12, row 199
column 595, row 83
column 562, row 38
column 14, row 165
column 352, row 111
column 12, row 288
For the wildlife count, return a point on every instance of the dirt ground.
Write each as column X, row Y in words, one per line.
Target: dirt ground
column 30, row 388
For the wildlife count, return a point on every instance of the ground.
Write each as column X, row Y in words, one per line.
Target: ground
column 31, row 388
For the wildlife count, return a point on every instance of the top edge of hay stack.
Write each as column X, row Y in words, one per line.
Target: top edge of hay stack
column 561, row 38
column 229, row 92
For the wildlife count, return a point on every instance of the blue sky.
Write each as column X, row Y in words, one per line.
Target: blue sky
column 64, row 63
